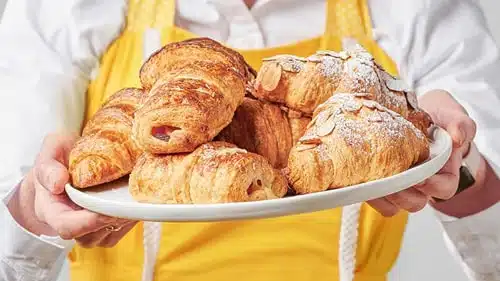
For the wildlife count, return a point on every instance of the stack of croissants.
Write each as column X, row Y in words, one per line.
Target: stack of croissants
column 206, row 128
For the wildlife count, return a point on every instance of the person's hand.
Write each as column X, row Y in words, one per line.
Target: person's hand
column 42, row 206
column 451, row 116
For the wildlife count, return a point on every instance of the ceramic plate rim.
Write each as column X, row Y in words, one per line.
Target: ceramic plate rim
column 91, row 202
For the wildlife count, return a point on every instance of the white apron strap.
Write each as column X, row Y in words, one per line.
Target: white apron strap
column 348, row 241
column 152, row 230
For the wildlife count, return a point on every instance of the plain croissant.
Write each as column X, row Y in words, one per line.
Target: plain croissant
column 106, row 151
column 352, row 140
column 195, row 88
column 216, row 172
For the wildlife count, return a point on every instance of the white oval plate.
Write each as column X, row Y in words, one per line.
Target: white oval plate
column 114, row 200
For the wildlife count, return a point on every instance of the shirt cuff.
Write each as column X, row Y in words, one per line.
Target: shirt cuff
column 475, row 238
column 25, row 252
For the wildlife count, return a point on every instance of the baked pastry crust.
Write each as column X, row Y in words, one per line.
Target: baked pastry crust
column 175, row 55
column 302, row 84
column 216, row 172
column 260, row 127
column 106, row 151
column 352, row 140
column 195, row 88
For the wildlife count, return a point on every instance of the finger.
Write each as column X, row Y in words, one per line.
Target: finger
column 444, row 184
column 67, row 220
column 411, row 200
column 57, row 147
column 51, row 163
column 52, row 175
column 96, row 238
column 384, row 207
column 461, row 128
column 112, row 239
column 92, row 239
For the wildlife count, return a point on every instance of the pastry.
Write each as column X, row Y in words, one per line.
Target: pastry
column 175, row 55
column 262, row 128
column 216, row 172
column 304, row 83
column 195, row 88
column 298, row 123
column 352, row 140
column 106, row 151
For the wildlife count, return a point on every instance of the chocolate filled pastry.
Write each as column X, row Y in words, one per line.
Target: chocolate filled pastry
column 352, row 140
column 302, row 84
column 106, row 151
column 216, row 172
column 193, row 98
column 262, row 128
column 175, row 55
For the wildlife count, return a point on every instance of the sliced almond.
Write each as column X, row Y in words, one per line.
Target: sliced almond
column 411, row 97
column 294, row 66
column 270, row 76
column 285, row 57
column 302, row 147
column 323, row 116
column 327, row 127
column 352, row 105
column 315, row 58
column 396, row 85
column 375, row 117
column 310, row 138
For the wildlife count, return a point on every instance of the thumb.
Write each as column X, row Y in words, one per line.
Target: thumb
column 52, row 175
column 461, row 128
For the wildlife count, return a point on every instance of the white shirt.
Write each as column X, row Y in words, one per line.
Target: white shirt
column 49, row 49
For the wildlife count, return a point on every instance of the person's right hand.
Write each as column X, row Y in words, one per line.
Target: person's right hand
column 42, row 206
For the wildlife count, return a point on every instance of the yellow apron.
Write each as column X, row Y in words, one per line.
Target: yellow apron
column 294, row 248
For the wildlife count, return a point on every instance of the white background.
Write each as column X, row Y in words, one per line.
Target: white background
column 432, row 239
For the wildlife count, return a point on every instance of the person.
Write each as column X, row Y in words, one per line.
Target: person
column 60, row 61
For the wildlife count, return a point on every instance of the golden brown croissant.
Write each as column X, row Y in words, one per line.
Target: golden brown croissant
column 175, row 55
column 216, row 172
column 106, row 151
column 352, row 140
column 304, row 83
column 262, row 128
column 199, row 86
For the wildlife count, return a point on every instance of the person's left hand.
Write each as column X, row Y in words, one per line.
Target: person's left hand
column 448, row 114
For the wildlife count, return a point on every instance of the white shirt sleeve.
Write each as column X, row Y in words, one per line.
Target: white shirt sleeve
column 48, row 51
column 446, row 45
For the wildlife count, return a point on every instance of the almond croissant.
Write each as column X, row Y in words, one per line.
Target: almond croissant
column 352, row 140
column 304, row 83
column 266, row 129
column 215, row 172
column 195, row 88
column 106, row 151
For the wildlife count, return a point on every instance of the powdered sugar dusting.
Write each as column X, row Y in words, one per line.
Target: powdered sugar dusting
column 379, row 122
column 289, row 63
column 210, row 152
column 323, row 153
column 360, row 73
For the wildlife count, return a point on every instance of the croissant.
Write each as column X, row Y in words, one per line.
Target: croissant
column 216, row 172
column 352, row 140
column 106, row 151
column 176, row 55
column 261, row 128
column 195, row 88
column 304, row 83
